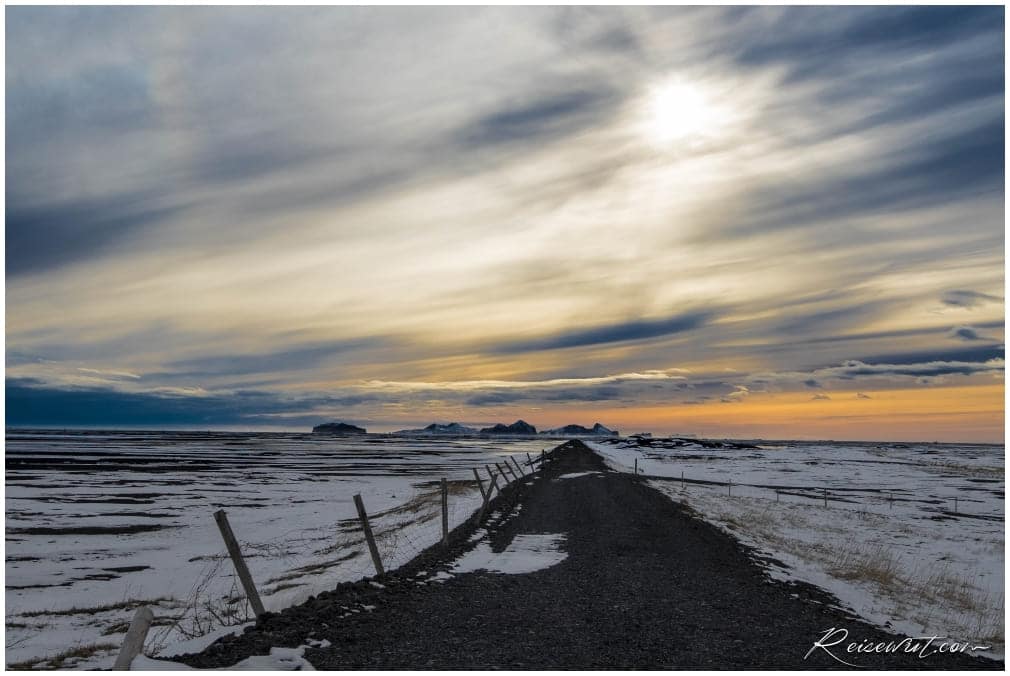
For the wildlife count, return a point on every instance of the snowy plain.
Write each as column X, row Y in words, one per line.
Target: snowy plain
column 907, row 536
column 101, row 523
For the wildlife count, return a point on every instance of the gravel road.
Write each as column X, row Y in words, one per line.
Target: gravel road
column 644, row 585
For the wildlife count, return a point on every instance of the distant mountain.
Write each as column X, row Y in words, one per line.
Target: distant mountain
column 435, row 429
column 519, row 427
column 597, row 430
column 338, row 429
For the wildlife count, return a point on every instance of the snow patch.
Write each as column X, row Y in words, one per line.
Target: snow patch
column 279, row 659
column 526, row 553
column 576, row 475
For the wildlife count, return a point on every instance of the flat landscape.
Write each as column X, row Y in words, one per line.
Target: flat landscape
column 100, row 523
column 84, row 548
column 591, row 568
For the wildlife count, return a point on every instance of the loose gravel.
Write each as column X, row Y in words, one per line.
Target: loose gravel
column 645, row 585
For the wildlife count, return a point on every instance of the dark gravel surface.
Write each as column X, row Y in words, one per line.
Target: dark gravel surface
column 645, row 585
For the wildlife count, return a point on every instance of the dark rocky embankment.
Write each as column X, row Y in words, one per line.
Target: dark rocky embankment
column 645, row 584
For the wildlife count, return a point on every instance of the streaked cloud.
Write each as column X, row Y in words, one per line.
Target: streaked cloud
column 386, row 213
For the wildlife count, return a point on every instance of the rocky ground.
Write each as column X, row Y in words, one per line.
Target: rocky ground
column 644, row 585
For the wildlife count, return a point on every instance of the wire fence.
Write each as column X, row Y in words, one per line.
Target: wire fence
column 858, row 499
column 305, row 562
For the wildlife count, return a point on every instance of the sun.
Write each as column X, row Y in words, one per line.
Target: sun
column 678, row 111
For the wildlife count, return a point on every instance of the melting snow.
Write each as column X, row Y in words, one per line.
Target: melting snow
column 576, row 475
column 525, row 554
column 279, row 659
column 890, row 542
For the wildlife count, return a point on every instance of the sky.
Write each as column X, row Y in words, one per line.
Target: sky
column 751, row 222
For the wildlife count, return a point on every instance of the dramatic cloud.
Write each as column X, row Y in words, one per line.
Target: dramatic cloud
column 965, row 333
column 969, row 298
column 617, row 333
column 244, row 214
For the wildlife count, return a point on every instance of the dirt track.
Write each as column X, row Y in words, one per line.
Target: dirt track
column 644, row 585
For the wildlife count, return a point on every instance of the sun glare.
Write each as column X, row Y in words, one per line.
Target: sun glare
column 680, row 111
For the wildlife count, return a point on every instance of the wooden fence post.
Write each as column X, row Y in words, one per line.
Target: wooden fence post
column 825, row 497
column 529, row 461
column 480, row 484
column 376, row 561
column 729, row 489
column 487, row 498
column 502, row 471
column 445, row 512
column 236, row 558
column 636, row 466
column 522, row 474
column 133, row 643
column 682, row 484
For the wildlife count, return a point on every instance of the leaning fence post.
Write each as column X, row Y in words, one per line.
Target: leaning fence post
column 133, row 643
column 236, row 558
column 518, row 467
column 480, row 483
column 487, row 498
column 503, row 471
column 529, row 460
column 543, row 458
column 376, row 561
column 445, row 512
column 636, row 466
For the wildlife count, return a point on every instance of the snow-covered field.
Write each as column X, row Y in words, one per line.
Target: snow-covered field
column 909, row 536
column 101, row 523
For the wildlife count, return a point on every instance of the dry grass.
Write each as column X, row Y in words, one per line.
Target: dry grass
column 94, row 610
column 925, row 592
column 877, row 565
column 59, row 661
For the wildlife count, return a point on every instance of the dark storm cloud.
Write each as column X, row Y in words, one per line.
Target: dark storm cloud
column 813, row 40
column 966, row 298
column 811, row 383
column 874, row 335
column 935, row 171
column 883, row 66
column 616, row 333
column 30, row 402
column 979, row 354
column 43, row 237
column 550, row 116
column 965, row 333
